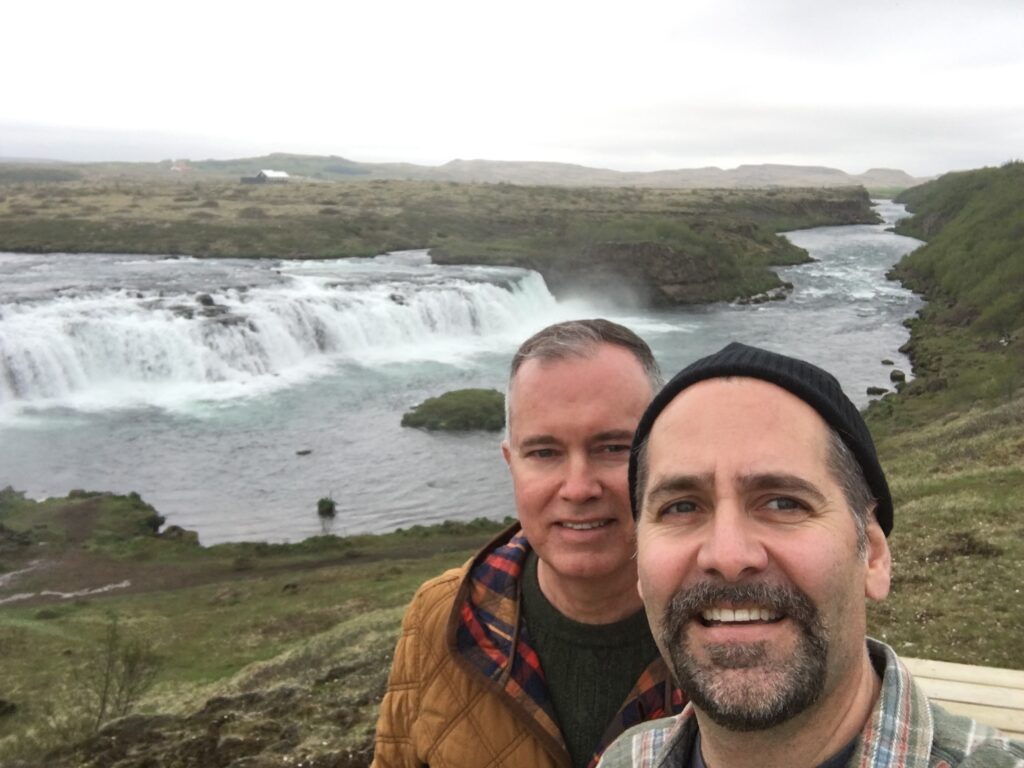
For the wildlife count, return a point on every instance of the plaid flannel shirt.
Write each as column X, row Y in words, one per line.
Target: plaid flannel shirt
column 905, row 730
column 492, row 636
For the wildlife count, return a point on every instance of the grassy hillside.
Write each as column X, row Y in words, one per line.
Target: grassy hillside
column 282, row 648
column 953, row 439
column 974, row 222
column 968, row 344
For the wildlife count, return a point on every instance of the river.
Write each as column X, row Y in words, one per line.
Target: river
column 197, row 383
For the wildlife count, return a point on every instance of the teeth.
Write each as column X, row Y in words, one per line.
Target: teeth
column 584, row 526
column 738, row 615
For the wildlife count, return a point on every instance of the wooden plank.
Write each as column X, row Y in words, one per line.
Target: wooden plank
column 968, row 673
column 1009, row 721
column 990, row 695
column 972, row 693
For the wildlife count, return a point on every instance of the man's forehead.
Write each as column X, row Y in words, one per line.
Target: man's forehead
column 547, row 364
column 537, row 371
column 734, row 413
column 605, row 391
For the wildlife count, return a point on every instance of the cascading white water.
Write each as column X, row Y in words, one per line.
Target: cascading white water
column 119, row 340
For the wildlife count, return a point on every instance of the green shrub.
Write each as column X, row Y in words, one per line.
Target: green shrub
column 326, row 507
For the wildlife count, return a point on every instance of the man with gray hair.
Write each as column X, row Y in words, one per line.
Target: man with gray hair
column 536, row 653
column 762, row 522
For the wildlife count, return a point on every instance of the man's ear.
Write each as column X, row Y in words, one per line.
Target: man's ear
column 506, row 452
column 879, row 561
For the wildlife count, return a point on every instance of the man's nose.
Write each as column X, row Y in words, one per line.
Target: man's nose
column 580, row 483
column 732, row 548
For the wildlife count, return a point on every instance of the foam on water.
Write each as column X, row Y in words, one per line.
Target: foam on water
column 91, row 349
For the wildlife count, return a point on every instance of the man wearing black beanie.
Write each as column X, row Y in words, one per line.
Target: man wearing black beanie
column 762, row 521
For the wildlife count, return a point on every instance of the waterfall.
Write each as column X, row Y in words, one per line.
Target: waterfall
column 70, row 342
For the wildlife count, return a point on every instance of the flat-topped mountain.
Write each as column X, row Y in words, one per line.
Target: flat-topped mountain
column 566, row 174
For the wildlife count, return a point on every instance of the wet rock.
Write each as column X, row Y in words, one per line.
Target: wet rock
column 897, row 376
column 876, row 391
column 205, row 299
column 887, row 361
column 304, row 452
column 775, row 294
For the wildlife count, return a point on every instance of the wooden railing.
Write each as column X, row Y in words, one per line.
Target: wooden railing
column 990, row 695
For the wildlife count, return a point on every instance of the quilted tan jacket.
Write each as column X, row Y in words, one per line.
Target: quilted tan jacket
column 442, row 708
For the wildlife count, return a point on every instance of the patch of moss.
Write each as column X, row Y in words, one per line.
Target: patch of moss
column 459, row 410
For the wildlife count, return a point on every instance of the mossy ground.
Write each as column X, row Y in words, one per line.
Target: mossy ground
column 459, row 410
column 542, row 228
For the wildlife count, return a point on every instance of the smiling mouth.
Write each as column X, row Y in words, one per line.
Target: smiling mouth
column 713, row 617
column 587, row 526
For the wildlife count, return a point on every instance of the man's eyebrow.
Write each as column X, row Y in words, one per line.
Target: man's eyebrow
column 783, row 483
column 780, row 482
column 624, row 435
column 672, row 484
column 613, row 434
column 537, row 440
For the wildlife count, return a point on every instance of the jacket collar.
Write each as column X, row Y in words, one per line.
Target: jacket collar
column 488, row 636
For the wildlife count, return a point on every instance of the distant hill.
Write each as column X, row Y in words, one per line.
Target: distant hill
column 525, row 173
column 563, row 174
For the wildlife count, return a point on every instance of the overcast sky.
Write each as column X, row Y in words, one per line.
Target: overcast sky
column 925, row 86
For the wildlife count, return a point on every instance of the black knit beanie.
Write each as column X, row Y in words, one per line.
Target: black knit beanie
column 818, row 388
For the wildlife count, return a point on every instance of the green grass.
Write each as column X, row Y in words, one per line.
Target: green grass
column 958, row 539
column 975, row 224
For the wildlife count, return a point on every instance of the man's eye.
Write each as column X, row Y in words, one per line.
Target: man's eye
column 614, row 448
column 784, row 504
column 541, row 453
column 679, row 508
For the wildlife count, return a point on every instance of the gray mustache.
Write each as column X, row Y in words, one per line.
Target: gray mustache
column 690, row 602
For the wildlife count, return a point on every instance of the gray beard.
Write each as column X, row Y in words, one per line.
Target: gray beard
column 773, row 691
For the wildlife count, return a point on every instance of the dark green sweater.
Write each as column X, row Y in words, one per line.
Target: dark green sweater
column 589, row 668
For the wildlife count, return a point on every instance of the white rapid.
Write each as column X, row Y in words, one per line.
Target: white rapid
column 83, row 345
